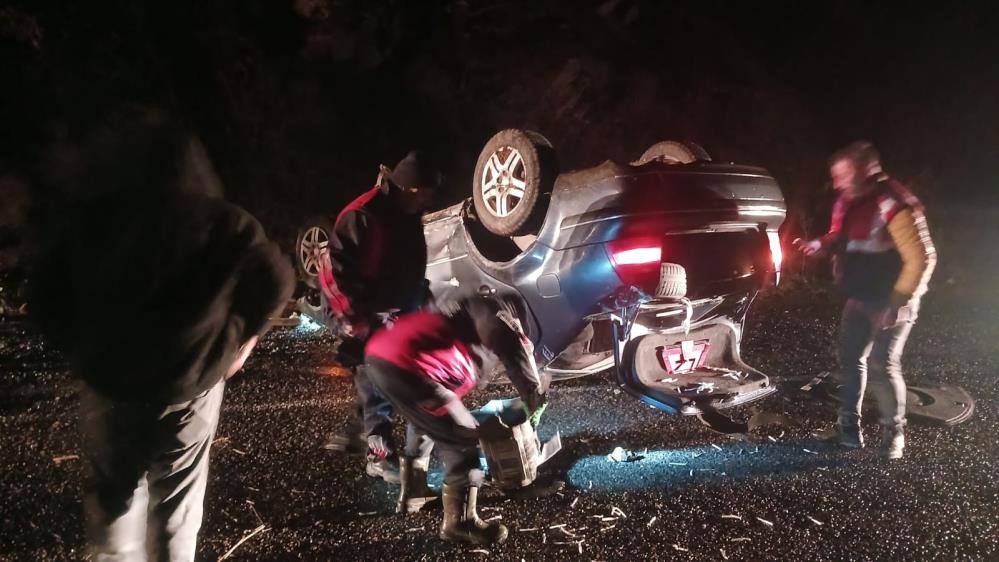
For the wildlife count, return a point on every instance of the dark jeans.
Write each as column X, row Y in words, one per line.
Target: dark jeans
column 875, row 356
column 147, row 466
column 372, row 413
column 453, row 433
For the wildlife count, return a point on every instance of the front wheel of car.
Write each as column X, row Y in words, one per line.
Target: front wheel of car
column 313, row 239
column 513, row 180
column 674, row 152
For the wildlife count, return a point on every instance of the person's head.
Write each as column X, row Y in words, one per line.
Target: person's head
column 413, row 182
column 854, row 167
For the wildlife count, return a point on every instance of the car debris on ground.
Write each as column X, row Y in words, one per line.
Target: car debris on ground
column 619, row 454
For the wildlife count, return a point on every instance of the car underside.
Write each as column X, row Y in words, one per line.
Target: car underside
column 647, row 268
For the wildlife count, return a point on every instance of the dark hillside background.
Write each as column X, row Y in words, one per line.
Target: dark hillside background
column 298, row 101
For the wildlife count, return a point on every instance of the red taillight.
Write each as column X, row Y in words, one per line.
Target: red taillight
column 637, row 256
column 636, row 261
column 775, row 250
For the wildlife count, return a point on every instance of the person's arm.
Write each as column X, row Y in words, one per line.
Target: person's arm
column 443, row 402
column 348, row 249
column 912, row 241
column 835, row 225
column 264, row 284
column 812, row 247
column 499, row 332
column 244, row 353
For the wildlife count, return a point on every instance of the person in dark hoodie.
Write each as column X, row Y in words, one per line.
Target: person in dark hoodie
column 425, row 364
column 156, row 289
column 375, row 269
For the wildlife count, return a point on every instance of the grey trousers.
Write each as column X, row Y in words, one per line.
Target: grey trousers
column 147, row 466
column 875, row 356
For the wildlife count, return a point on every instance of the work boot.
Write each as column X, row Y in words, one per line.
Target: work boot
column 461, row 521
column 893, row 444
column 414, row 492
column 849, row 436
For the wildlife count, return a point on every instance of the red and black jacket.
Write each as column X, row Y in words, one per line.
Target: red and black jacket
column 378, row 259
column 452, row 350
column 882, row 244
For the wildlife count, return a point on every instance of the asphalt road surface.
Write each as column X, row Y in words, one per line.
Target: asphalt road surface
column 775, row 494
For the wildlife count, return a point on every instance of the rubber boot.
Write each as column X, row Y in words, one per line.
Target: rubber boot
column 461, row 521
column 893, row 444
column 414, row 492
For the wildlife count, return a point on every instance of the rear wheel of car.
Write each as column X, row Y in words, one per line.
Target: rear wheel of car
column 313, row 239
column 674, row 152
column 513, row 180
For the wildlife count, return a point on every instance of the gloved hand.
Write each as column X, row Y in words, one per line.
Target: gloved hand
column 535, row 404
column 535, row 417
column 378, row 448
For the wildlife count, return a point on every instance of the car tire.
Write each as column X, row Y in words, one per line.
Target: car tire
column 674, row 152
column 512, row 184
column 672, row 281
column 312, row 240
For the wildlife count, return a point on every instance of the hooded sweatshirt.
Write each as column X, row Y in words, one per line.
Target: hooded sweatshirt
column 151, row 289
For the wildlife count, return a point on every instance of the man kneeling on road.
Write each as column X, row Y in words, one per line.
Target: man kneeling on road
column 884, row 259
column 424, row 364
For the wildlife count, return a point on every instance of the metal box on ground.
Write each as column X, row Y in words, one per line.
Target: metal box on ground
column 510, row 443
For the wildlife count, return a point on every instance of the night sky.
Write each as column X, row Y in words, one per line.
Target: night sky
column 299, row 101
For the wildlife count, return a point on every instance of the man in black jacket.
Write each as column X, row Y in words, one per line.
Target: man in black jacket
column 157, row 290
column 373, row 271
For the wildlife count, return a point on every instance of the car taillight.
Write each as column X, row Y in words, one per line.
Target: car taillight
column 636, row 261
column 775, row 250
column 637, row 256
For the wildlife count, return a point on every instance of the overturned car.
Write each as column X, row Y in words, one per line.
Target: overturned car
column 647, row 268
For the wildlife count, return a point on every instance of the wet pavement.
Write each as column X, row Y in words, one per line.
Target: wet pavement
column 693, row 494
